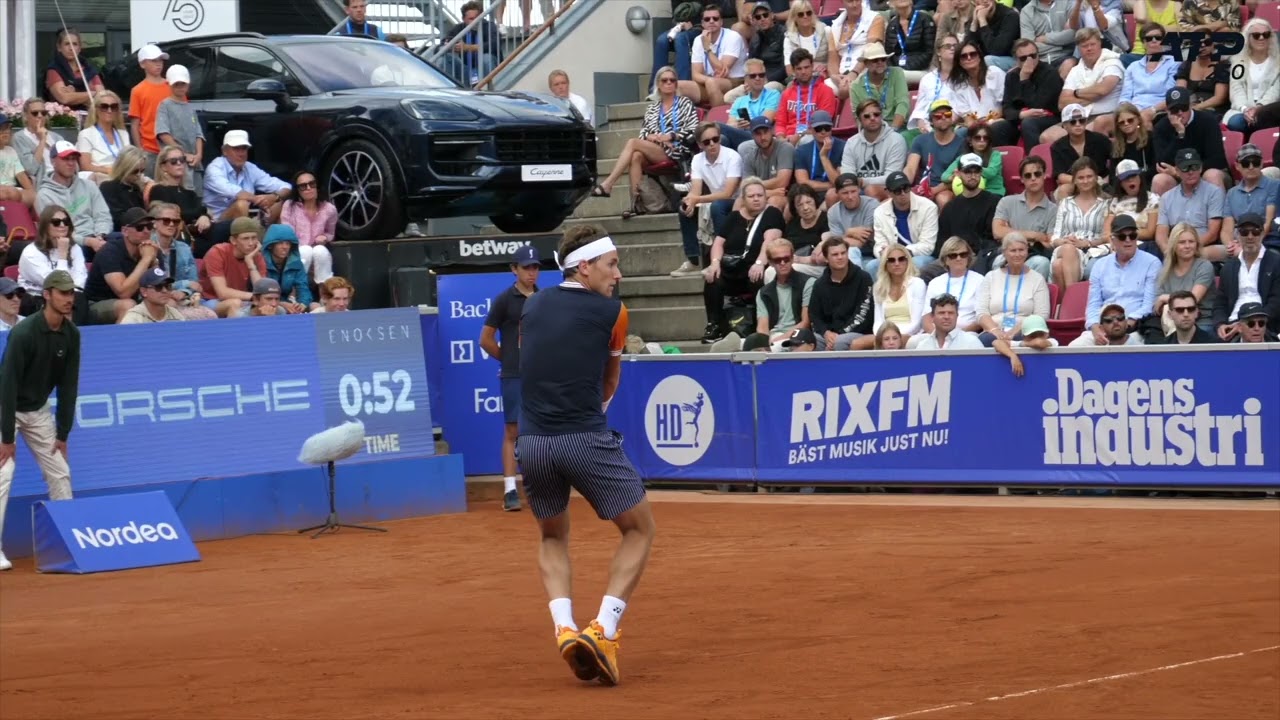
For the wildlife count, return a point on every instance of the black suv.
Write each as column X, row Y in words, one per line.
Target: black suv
column 391, row 137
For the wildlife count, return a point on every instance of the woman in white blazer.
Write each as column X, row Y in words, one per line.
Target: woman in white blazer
column 1255, row 76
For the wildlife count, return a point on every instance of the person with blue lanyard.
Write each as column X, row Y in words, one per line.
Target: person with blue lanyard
column 757, row 101
column 817, row 163
column 356, row 24
column 475, row 54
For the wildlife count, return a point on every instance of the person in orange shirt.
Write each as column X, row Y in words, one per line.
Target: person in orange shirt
column 145, row 99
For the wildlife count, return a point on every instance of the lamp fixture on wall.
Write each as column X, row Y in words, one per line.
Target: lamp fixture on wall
column 637, row 19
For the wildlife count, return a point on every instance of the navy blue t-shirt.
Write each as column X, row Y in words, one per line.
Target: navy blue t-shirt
column 567, row 335
column 504, row 316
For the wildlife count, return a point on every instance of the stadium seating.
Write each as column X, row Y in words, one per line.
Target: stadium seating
column 1069, row 322
column 846, row 126
column 1054, row 293
column 11, row 272
column 828, row 10
column 1042, row 151
column 1231, row 142
column 1011, row 157
column 1266, row 142
column 1269, row 12
column 719, row 113
column 18, row 218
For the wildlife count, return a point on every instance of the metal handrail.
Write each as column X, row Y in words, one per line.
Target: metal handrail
column 446, row 47
column 549, row 25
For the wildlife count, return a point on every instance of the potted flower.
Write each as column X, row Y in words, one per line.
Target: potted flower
column 62, row 120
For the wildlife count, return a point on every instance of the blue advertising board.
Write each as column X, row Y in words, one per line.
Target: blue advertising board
column 115, row 532
column 237, row 397
column 471, row 411
column 1103, row 417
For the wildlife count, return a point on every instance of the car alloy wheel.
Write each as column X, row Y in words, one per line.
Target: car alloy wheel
column 357, row 188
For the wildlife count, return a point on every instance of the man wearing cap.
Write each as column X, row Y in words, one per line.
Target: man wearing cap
column 1256, row 194
column 119, row 267
column 177, row 124
column 41, row 354
column 504, row 320
column 266, row 299
column 1077, row 141
column 1125, row 280
column 817, row 163
column 875, row 151
column 1253, row 323
column 1184, row 309
column 1183, row 128
column 1195, row 202
column 11, row 294
column 15, row 184
column 1030, row 100
column 805, row 96
column 1094, row 82
column 932, row 153
column 231, row 269
column 90, row 215
column 157, row 290
column 852, row 219
column 1251, row 277
column 884, row 83
column 841, row 308
column 145, row 99
column 233, row 185
column 907, row 220
column 800, row 340
column 970, row 216
column 756, row 99
column 771, row 161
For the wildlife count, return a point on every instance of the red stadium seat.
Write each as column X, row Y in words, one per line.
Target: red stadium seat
column 11, row 272
column 1269, row 12
column 1042, row 151
column 18, row 219
column 846, row 126
column 666, row 167
column 719, row 113
column 1011, row 157
column 829, row 9
column 1130, row 25
column 1266, row 142
column 1244, row 14
column 1069, row 323
column 1231, row 142
column 1054, row 292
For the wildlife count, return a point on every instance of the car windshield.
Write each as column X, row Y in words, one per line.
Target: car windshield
column 346, row 65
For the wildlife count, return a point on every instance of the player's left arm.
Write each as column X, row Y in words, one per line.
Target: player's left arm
column 613, row 367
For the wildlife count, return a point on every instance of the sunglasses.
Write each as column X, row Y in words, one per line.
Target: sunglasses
column 755, row 76
column 1076, row 121
column 1108, row 319
column 1248, row 231
column 307, row 185
column 822, row 129
column 168, row 221
column 804, row 13
column 1191, row 168
column 1127, row 121
column 175, row 161
column 982, row 138
column 1183, row 310
column 1032, row 175
column 1250, row 162
column 38, row 113
column 870, row 116
column 900, row 191
column 761, row 16
column 942, row 115
column 781, row 260
column 1127, row 236
column 60, row 222
column 665, row 80
column 708, row 142
column 1255, row 323
column 713, row 18
column 896, row 260
column 958, row 255
column 1153, row 38
column 1260, row 35
column 108, row 106
column 10, row 296
column 947, row 46
column 968, row 55
column 1024, row 58
column 144, row 226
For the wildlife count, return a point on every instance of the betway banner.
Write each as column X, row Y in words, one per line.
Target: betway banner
column 497, row 251
column 1133, row 417
column 238, row 397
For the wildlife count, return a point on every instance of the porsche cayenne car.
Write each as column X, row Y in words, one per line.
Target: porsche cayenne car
column 391, row 138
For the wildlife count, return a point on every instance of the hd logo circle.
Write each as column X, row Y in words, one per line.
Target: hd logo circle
column 679, row 420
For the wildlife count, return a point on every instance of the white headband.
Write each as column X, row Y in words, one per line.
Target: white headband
column 590, row 251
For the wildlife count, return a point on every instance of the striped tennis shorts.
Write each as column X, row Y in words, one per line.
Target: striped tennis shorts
column 592, row 463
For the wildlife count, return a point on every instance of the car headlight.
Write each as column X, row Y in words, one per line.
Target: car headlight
column 437, row 110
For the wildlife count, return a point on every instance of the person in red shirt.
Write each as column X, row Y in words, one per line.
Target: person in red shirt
column 805, row 96
column 230, row 269
column 145, row 99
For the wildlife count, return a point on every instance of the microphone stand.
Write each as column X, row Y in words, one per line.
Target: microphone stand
column 331, row 523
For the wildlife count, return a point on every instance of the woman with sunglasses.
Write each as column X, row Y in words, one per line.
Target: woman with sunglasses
column 1135, row 143
column 1011, row 293
column 1255, row 79
column 126, row 186
column 70, row 79
column 804, row 31
column 978, row 142
column 54, row 248
column 1146, row 82
column 1206, row 80
column 978, row 92
column 315, row 220
column 934, row 85
column 669, row 125
column 1184, row 269
column 899, row 296
column 1163, row 13
column 171, row 173
column 960, row 282
column 104, row 137
column 1131, row 197
column 1078, row 228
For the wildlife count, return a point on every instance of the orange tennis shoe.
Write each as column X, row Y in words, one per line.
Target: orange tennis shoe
column 604, row 652
column 579, row 658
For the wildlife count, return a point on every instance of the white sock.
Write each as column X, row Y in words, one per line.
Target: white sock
column 508, row 484
column 562, row 613
column 611, row 609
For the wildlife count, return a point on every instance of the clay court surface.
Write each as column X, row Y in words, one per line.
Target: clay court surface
column 762, row 607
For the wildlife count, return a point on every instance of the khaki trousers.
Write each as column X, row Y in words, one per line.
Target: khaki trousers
column 39, row 431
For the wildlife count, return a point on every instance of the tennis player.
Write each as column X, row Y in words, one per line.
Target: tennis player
column 571, row 340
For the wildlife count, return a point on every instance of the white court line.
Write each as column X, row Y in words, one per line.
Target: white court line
column 1080, row 683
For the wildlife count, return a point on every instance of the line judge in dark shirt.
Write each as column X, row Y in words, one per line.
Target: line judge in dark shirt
column 504, row 320
column 571, row 341
column 42, row 354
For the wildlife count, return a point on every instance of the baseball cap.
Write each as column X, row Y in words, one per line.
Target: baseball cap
column 133, row 216
column 526, row 256
column 265, row 285
column 820, row 118
column 236, row 138
column 1176, row 98
column 1113, row 306
column 1248, row 150
column 154, row 277
column 59, row 280
column 9, row 286
column 896, row 181
column 969, row 160
column 756, row 341
column 1034, row 325
column 64, row 149
column 1187, row 157
column 178, row 74
column 1127, row 169
column 1253, row 219
column 760, row 122
column 242, row 225
column 798, row 337
column 4, row 120
column 151, row 52
column 939, row 104
column 762, row 4
column 1073, row 111
column 845, row 180
column 1123, row 221
column 1252, row 309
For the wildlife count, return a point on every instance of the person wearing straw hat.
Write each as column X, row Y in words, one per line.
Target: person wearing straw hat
column 884, row 83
